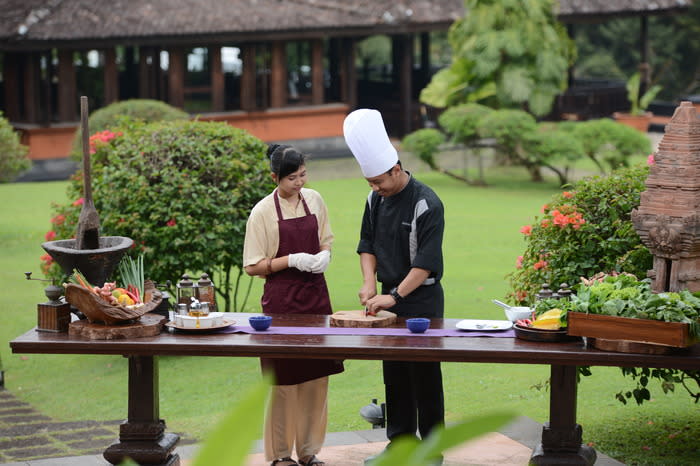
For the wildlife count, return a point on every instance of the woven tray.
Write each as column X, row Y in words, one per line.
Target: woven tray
column 98, row 310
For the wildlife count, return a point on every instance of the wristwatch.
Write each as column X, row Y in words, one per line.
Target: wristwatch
column 394, row 292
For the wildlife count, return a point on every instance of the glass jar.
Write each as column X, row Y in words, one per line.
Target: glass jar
column 185, row 290
column 206, row 292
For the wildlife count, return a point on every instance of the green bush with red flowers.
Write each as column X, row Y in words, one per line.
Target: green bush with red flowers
column 582, row 232
column 182, row 190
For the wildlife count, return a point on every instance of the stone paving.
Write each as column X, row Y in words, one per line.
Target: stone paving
column 26, row 434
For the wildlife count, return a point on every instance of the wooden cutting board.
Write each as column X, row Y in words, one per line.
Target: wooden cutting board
column 359, row 319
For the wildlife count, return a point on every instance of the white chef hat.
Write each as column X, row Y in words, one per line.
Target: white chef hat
column 366, row 136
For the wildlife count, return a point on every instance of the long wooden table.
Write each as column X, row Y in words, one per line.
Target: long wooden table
column 143, row 438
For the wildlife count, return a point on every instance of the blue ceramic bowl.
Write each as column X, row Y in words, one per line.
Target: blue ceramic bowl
column 260, row 322
column 418, row 324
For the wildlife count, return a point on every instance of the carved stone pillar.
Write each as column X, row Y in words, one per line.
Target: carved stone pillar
column 668, row 220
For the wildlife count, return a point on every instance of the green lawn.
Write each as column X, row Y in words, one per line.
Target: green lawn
column 482, row 241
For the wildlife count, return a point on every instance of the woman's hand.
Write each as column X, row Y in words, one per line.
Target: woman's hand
column 301, row 261
column 321, row 261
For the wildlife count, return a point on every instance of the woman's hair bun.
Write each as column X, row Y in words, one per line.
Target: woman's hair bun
column 271, row 149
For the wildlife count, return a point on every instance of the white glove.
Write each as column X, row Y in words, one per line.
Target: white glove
column 301, row 261
column 321, row 261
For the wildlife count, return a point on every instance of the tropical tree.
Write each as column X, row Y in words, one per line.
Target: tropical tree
column 506, row 54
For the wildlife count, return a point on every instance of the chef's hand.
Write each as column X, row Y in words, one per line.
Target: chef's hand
column 321, row 261
column 379, row 303
column 367, row 291
column 301, row 261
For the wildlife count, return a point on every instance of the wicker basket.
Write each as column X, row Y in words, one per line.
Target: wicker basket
column 98, row 310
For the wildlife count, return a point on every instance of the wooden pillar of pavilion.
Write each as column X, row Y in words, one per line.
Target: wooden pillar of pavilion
column 67, row 93
column 32, row 78
column 248, row 77
column 149, row 67
column 424, row 59
column 11, row 80
column 176, row 77
column 348, row 73
column 278, row 75
column 317, row 72
column 111, row 76
column 405, row 55
column 217, row 79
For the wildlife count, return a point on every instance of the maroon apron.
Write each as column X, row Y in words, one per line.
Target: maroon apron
column 291, row 291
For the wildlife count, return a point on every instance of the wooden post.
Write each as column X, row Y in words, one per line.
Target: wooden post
column 278, row 75
column 424, row 59
column 32, row 73
column 217, row 79
column 644, row 69
column 176, row 77
column 405, row 77
column 67, row 94
column 111, row 76
column 248, row 77
column 317, row 89
column 348, row 74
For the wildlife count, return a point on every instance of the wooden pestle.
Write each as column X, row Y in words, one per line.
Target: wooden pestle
column 88, row 232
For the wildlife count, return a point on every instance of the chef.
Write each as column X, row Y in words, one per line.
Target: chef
column 288, row 241
column 401, row 247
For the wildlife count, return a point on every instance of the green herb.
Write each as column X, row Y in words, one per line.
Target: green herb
column 132, row 272
column 625, row 296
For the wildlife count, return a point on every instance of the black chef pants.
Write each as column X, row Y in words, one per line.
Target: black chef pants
column 414, row 397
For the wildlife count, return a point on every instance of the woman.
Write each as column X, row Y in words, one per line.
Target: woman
column 288, row 241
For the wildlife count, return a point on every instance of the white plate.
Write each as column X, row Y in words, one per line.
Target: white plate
column 484, row 325
column 226, row 323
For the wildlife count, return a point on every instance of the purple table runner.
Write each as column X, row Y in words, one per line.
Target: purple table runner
column 403, row 332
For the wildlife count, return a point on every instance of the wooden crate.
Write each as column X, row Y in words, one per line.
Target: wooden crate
column 656, row 332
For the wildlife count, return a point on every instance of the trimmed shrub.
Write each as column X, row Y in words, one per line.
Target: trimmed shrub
column 461, row 122
column 583, row 232
column 182, row 190
column 611, row 143
column 13, row 155
column 108, row 117
column 424, row 143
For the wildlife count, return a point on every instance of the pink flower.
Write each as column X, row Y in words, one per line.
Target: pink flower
column 650, row 159
column 171, row 222
column 544, row 208
column 79, row 201
column 50, row 235
column 540, row 265
column 58, row 219
column 519, row 262
column 526, row 230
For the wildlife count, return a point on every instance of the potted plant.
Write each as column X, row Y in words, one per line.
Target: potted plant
column 638, row 117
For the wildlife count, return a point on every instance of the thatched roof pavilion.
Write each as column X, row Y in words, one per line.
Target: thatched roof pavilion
column 283, row 69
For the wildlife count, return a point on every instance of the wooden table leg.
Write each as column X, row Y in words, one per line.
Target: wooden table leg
column 142, row 436
column 561, row 436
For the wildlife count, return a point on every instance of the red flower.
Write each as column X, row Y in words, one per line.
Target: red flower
column 47, row 259
column 79, row 201
column 567, row 194
column 58, row 219
column 50, row 235
column 171, row 222
column 540, row 265
column 544, row 208
column 521, row 295
column 526, row 230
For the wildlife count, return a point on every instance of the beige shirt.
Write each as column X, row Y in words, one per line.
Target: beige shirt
column 262, row 235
